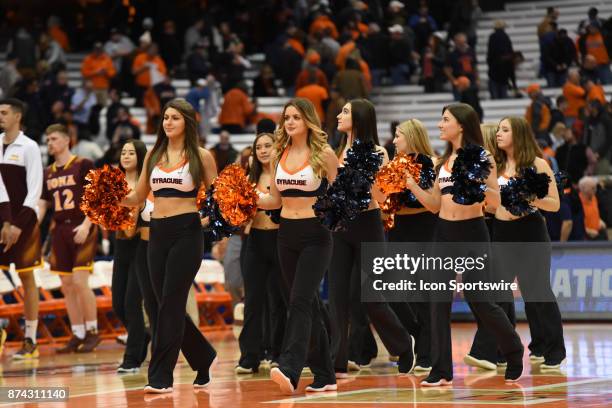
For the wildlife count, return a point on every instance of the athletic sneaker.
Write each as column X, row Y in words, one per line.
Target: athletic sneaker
column 393, row 359
column 321, row 386
column 91, row 341
column 436, row 380
column 245, row 370
column 353, row 366
column 274, row 363
column 204, row 377
column 502, row 364
column 475, row 362
column 121, row 339
column 150, row 389
column 72, row 346
column 422, row 368
column 2, row 340
column 407, row 359
column 283, row 381
column 551, row 365
column 536, row 358
column 28, row 350
column 514, row 369
column 127, row 369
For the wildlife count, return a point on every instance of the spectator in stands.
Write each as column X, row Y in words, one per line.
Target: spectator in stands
column 236, row 109
column 112, row 111
column 594, row 92
column 223, row 152
column 51, row 52
column 462, row 62
column 464, row 17
column 322, row 22
column 35, row 118
column 556, row 113
column 594, row 226
column 264, row 82
column 469, row 94
column 588, row 69
column 170, row 47
column 350, row 82
column 592, row 43
column 148, row 69
column 86, row 148
column 287, row 64
column 598, row 135
column 575, row 96
column 548, row 22
column 126, row 128
column 556, row 135
column 557, row 58
column 82, row 103
column 376, row 45
column 165, row 91
column 572, row 157
column 500, row 56
column 592, row 19
column 315, row 93
column 197, row 94
column 9, row 75
column 56, row 91
column 433, row 62
column 120, row 48
column 232, row 65
column 396, row 14
column 99, row 69
column 400, row 56
column 23, row 45
column 198, row 63
column 54, row 29
column 538, row 113
column 330, row 43
column 313, row 59
column 196, row 34
column 567, row 224
column 423, row 25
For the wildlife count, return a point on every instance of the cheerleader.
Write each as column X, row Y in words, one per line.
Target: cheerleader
column 263, row 283
column 306, row 164
column 415, row 223
column 358, row 121
column 462, row 223
column 127, row 296
column 518, row 150
column 175, row 169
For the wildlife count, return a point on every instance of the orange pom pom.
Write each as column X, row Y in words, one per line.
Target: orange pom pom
column 201, row 198
column 100, row 202
column 389, row 208
column 236, row 197
column 391, row 178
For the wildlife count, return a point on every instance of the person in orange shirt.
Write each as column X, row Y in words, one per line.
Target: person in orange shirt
column 538, row 113
column 315, row 93
column 594, row 92
column 575, row 96
column 594, row 226
column 313, row 58
column 320, row 23
column 594, row 45
column 98, row 67
column 145, row 67
column 54, row 29
column 236, row 109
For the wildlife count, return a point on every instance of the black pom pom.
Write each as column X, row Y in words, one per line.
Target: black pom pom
column 520, row 191
column 217, row 224
column 469, row 174
column 274, row 215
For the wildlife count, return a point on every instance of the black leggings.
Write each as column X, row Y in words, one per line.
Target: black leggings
column 146, row 286
column 304, row 249
column 127, row 301
column 487, row 314
column 175, row 254
column 417, row 228
column 263, row 286
column 544, row 317
column 345, row 291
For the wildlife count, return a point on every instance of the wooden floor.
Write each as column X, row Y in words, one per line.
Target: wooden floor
column 584, row 381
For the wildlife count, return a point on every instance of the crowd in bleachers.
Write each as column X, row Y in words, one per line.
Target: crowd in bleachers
column 326, row 51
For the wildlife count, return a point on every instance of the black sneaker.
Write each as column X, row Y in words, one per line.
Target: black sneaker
column 406, row 359
column 436, row 380
column 322, row 386
column 204, row 377
column 514, row 367
column 127, row 369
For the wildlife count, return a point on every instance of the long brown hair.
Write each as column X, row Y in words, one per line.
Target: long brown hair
column 256, row 167
column 192, row 152
column 468, row 119
column 317, row 138
column 363, row 117
column 525, row 147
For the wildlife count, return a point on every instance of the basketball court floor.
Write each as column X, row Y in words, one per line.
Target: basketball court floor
column 584, row 381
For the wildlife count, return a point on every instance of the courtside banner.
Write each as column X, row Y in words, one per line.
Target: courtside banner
column 578, row 278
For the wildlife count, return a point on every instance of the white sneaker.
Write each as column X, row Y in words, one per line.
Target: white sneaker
column 353, row 366
column 148, row 389
column 474, row 362
column 321, row 387
column 239, row 312
column 551, row 366
column 243, row 370
column 282, row 380
column 422, row 369
column 534, row 358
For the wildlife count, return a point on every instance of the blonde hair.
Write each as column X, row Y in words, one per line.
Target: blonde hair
column 317, row 138
column 489, row 135
column 416, row 137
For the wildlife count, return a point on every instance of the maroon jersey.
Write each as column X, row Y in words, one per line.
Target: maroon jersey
column 63, row 187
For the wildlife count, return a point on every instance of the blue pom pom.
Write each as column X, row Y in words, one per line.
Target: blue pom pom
column 520, row 191
column 469, row 174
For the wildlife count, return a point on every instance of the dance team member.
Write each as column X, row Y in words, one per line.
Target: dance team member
column 175, row 169
column 358, row 121
column 305, row 164
column 460, row 126
column 415, row 223
column 22, row 171
column 127, row 296
column 263, row 282
column 74, row 239
column 518, row 150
